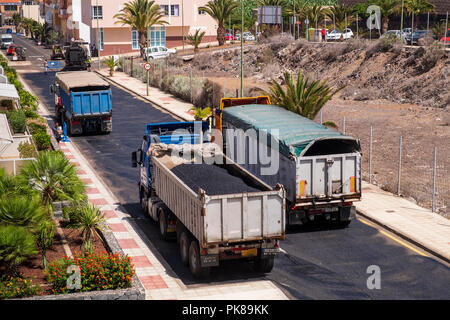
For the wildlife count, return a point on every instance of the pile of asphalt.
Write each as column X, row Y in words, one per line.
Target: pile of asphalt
column 211, row 178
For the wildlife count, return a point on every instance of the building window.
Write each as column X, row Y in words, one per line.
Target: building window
column 97, row 12
column 101, row 39
column 28, row 3
column 10, row 7
column 135, row 40
column 201, row 12
column 174, row 10
column 158, row 36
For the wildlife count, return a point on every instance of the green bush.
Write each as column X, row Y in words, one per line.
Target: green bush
column 42, row 140
column 18, row 120
column 36, row 127
column 27, row 150
column 29, row 113
column 99, row 271
column 17, row 244
column 21, row 211
column 27, row 99
column 18, row 287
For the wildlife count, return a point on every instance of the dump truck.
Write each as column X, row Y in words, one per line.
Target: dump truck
column 77, row 56
column 319, row 167
column 82, row 101
column 216, row 209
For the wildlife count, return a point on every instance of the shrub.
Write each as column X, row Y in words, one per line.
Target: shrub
column 27, row 99
column 99, row 271
column 21, row 211
column 16, row 245
column 17, row 287
column 89, row 220
column 30, row 113
column 36, row 128
column 431, row 56
column 42, row 140
column 330, row 124
column 382, row 45
column 7, row 104
column 18, row 120
column 27, row 150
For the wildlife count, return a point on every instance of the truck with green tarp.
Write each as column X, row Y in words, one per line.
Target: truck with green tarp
column 319, row 167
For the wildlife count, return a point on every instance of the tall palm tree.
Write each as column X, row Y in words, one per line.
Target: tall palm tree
column 341, row 15
column 416, row 7
column 53, row 177
column 17, row 19
column 27, row 24
column 220, row 10
column 301, row 96
column 196, row 38
column 387, row 8
column 141, row 15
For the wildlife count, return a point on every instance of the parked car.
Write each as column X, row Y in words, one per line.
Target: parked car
column 407, row 31
column 229, row 36
column 336, row 35
column 446, row 38
column 10, row 50
column 414, row 38
column 248, row 36
column 158, row 52
column 399, row 34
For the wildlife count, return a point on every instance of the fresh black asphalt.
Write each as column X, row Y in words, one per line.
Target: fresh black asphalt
column 318, row 263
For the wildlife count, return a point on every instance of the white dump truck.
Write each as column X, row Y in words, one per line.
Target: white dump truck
column 216, row 211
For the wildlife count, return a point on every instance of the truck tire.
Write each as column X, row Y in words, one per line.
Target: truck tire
column 143, row 201
column 263, row 265
column 344, row 224
column 162, row 220
column 194, row 261
column 185, row 242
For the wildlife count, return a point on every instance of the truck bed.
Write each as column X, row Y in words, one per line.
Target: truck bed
column 222, row 218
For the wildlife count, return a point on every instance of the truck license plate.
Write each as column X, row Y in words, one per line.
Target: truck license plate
column 270, row 251
column 333, row 209
column 249, row 252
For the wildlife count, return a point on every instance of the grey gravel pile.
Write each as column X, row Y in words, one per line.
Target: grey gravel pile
column 213, row 179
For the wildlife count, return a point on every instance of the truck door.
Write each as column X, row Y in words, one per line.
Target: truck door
column 144, row 164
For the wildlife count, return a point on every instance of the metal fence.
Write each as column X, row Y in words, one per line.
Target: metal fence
column 401, row 164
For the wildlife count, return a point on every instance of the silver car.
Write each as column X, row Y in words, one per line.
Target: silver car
column 158, row 52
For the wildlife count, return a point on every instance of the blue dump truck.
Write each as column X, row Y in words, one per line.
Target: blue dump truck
column 319, row 166
column 216, row 209
column 83, row 102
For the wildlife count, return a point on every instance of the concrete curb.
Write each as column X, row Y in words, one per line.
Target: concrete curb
column 414, row 240
column 159, row 105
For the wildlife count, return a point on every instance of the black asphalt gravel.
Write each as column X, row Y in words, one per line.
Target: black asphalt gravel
column 211, row 178
column 317, row 262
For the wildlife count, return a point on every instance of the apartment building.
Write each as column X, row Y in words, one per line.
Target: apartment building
column 7, row 9
column 78, row 19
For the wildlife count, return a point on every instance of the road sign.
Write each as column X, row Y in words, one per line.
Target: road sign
column 306, row 21
column 147, row 66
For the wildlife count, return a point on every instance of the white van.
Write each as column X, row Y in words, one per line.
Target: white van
column 7, row 39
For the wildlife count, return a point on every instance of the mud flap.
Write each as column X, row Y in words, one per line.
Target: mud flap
column 347, row 213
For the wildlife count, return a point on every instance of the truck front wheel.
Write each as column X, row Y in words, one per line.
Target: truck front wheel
column 185, row 242
column 162, row 219
column 263, row 265
column 194, row 262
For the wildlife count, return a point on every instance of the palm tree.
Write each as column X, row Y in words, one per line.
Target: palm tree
column 341, row 15
column 53, row 177
column 416, row 7
column 140, row 15
column 220, row 10
column 302, row 96
column 387, row 8
column 316, row 13
column 201, row 113
column 111, row 63
column 17, row 19
column 21, row 211
column 89, row 220
column 196, row 38
column 16, row 245
column 27, row 24
column 439, row 29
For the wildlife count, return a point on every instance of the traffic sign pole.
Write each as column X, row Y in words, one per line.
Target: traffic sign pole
column 147, row 67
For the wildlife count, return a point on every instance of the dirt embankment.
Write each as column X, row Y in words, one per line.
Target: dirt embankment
column 377, row 70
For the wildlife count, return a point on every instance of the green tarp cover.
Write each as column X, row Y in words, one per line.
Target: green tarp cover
column 295, row 132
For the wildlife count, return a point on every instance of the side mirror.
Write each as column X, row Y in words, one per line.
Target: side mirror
column 52, row 88
column 134, row 159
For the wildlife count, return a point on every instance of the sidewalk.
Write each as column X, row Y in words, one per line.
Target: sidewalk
column 418, row 225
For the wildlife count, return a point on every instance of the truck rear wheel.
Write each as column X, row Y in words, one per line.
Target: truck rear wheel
column 194, row 262
column 263, row 265
column 185, row 242
column 162, row 219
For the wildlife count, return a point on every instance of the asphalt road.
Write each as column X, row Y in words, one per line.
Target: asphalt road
column 317, row 263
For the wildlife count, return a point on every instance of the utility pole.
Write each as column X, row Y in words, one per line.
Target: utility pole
column 401, row 19
column 242, row 48
column 147, row 56
column 98, row 39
